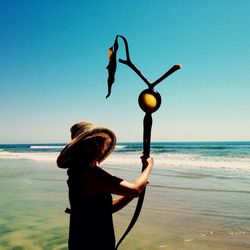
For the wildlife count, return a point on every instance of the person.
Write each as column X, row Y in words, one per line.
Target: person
column 91, row 188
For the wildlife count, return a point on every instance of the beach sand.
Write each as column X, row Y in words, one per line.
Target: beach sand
column 188, row 218
column 178, row 212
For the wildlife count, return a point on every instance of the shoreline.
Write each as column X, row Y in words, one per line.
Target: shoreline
column 184, row 208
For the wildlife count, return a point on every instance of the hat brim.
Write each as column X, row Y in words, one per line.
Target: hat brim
column 64, row 160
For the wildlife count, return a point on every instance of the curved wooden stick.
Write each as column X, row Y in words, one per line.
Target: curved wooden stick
column 147, row 125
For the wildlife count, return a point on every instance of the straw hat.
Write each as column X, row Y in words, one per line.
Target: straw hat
column 82, row 131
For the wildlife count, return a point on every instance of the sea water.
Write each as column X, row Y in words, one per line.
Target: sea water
column 198, row 196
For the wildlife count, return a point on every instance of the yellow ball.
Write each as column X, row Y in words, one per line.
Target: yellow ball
column 149, row 101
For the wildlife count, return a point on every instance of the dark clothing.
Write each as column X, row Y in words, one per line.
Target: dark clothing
column 91, row 223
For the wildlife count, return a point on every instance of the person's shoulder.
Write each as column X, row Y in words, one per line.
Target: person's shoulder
column 101, row 172
column 78, row 171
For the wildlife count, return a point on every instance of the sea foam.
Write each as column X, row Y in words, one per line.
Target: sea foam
column 29, row 156
column 46, row 147
column 235, row 156
column 169, row 160
column 183, row 160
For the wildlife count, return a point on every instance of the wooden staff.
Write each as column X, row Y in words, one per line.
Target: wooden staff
column 149, row 101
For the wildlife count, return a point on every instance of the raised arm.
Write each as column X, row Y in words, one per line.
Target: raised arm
column 108, row 183
column 134, row 188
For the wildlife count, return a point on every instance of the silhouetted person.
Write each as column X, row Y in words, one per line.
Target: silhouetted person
column 90, row 187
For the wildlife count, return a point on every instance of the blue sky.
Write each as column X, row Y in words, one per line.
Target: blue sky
column 53, row 58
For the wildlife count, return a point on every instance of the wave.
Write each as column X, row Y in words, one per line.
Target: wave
column 161, row 160
column 47, row 147
column 120, row 146
column 182, row 160
column 62, row 146
column 29, row 156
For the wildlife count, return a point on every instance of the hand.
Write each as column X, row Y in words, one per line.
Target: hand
column 147, row 161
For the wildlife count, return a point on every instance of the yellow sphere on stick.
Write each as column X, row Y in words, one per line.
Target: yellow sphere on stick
column 149, row 100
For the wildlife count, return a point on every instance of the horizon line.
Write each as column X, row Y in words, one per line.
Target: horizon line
column 185, row 141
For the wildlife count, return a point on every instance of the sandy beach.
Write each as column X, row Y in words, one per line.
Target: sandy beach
column 184, row 208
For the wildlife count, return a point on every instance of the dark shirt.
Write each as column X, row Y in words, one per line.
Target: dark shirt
column 91, row 223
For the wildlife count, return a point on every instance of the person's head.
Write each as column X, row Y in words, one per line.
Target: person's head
column 90, row 150
column 90, row 144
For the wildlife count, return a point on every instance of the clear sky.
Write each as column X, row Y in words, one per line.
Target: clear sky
column 53, row 58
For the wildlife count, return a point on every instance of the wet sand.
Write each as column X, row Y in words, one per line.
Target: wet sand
column 180, row 211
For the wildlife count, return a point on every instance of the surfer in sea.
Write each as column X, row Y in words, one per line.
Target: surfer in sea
column 90, row 187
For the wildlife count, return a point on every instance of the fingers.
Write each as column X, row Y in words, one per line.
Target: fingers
column 147, row 161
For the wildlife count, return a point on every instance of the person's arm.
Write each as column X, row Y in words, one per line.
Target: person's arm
column 135, row 188
column 108, row 183
column 120, row 202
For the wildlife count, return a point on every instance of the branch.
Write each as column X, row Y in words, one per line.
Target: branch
column 169, row 72
column 130, row 64
column 138, row 72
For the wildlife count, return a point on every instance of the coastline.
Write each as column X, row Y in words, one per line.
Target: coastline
column 185, row 207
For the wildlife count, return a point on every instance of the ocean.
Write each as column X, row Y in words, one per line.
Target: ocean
column 198, row 196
